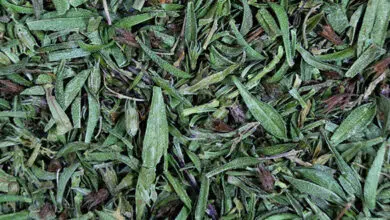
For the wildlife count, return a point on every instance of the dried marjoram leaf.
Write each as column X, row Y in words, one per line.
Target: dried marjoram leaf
column 94, row 199
column 266, row 179
column 165, row 109
column 328, row 33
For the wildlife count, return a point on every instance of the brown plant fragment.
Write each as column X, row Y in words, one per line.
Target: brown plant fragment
column 221, row 126
column 266, row 179
column 170, row 210
column 93, row 199
column 54, row 165
column 7, row 87
column 237, row 113
column 337, row 100
column 46, row 211
column 180, row 58
column 382, row 65
column 255, row 34
column 329, row 34
column 63, row 215
column 126, row 37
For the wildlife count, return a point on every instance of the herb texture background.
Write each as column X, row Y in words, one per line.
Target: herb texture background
column 194, row 109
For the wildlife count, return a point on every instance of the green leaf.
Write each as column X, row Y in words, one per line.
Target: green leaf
column 234, row 164
column 14, row 198
column 61, row 119
column 202, row 199
column 179, row 189
column 322, row 178
column 154, row 146
column 374, row 26
column 73, row 88
column 264, row 113
column 190, row 28
column 284, row 27
column 247, row 19
column 93, row 116
column 356, row 121
column 63, row 181
column 367, row 57
column 57, row 24
column 314, row 189
column 61, row 6
column 16, row 215
column 131, row 21
column 310, row 59
column 241, row 41
column 209, row 80
column 162, row 63
column 372, row 179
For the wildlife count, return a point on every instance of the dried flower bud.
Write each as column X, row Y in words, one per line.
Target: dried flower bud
column 47, row 211
column 93, row 199
column 237, row 113
column 266, row 179
column 54, row 165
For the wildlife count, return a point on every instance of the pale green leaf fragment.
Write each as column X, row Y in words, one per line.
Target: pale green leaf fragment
column 179, row 189
column 372, row 179
column 356, row 121
column 284, row 27
column 190, row 28
column 314, row 189
column 155, row 146
column 202, row 199
column 14, row 198
column 76, row 112
column 73, row 88
column 374, row 26
column 234, row 164
column 130, row 21
column 367, row 57
column 17, row 8
column 61, row 119
column 241, row 41
column 57, row 24
column 138, row 4
column 68, row 54
column 93, row 116
column 349, row 178
column 62, row 182
column 264, row 113
column 247, row 19
column 13, row 114
column 209, row 80
column 322, row 178
column 162, row 63
column 310, row 59
column 62, row 6
column 380, row 29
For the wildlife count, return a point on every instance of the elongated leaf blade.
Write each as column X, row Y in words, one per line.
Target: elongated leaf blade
column 265, row 114
column 356, row 121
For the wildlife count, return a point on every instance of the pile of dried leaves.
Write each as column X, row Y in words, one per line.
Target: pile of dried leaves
column 194, row 109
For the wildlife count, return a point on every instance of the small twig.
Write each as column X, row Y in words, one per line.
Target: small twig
column 106, row 12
